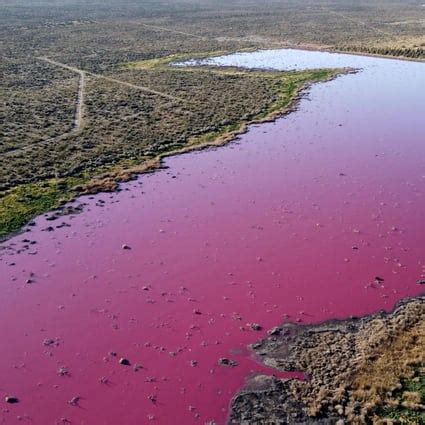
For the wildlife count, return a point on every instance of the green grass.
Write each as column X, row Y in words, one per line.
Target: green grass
column 289, row 85
column 404, row 415
column 20, row 204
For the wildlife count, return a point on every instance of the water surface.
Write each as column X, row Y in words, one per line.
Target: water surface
column 293, row 221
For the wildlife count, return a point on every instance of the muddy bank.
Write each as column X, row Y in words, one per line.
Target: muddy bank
column 356, row 370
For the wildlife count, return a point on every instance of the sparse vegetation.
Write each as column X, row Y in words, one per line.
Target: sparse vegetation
column 415, row 52
column 138, row 107
column 408, row 403
column 126, row 128
column 368, row 370
column 121, row 46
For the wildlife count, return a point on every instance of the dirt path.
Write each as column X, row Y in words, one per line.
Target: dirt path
column 142, row 88
column 361, row 23
column 156, row 27
column 36, row 143
column 79, row 110
column 114, row 80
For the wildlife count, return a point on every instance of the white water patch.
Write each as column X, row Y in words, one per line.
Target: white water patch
column 292, row 59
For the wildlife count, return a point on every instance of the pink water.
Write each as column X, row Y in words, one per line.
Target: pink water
column 296, row 219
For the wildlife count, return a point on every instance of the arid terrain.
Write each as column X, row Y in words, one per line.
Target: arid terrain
column 93, row 94
column 73, row 108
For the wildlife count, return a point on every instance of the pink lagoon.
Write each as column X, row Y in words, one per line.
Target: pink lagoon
column 121, row 313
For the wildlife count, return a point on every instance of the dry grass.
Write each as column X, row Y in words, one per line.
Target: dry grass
column 390, row 356
column 368, row 370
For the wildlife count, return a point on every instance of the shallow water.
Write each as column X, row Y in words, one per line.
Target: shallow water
column 291, row 222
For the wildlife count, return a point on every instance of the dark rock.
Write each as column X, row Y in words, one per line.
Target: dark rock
column 255, row 326
column 11, row 400
column 223, row 361
column 74, row 401
column 275, row 331
column 124, row 361
column 63, row 371
column 49, row 342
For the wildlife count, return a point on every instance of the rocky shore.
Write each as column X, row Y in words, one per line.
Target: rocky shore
column 359, row 370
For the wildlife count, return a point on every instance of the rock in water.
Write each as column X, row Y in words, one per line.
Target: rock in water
column 226, row 362
column 255, row 326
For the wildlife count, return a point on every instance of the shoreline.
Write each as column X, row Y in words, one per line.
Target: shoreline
column 109, row 181
column 352, row 52
column 330, row 49
column 339, row 356
column 111, row 176
column 307, row 275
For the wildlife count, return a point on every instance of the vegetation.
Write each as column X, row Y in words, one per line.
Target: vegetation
column 24, row 202
column 136, row 105
column 415, row 52
column 410, row 399
column 367, row 370
column 126, row 128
